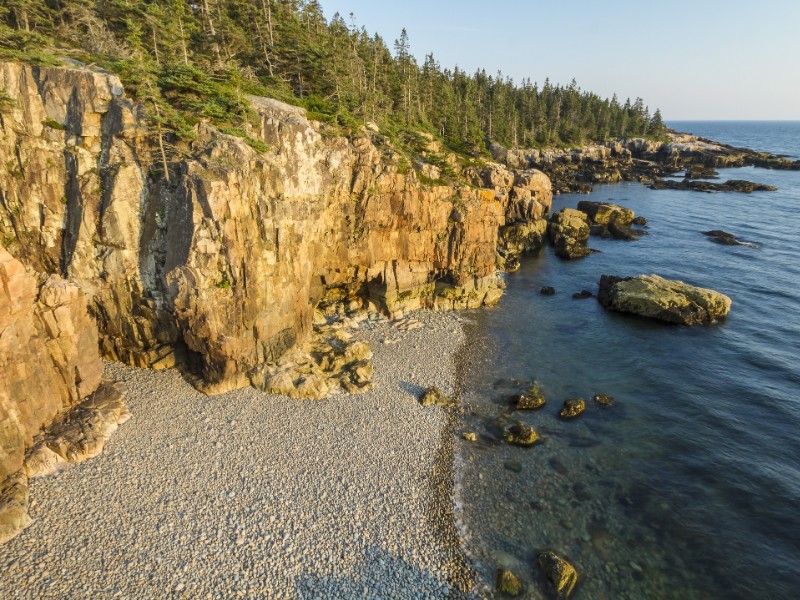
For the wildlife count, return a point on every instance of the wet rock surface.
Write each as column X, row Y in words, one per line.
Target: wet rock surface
column 532, row 399
column 561, row 575
column 723, row 238
column 603, row 399
column 507, row 583
column 573, row 407
column 521, row 435
column 662, row 299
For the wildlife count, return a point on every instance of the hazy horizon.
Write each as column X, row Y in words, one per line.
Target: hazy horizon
column 717, row 60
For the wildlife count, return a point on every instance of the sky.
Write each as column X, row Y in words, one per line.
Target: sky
column 700, row 59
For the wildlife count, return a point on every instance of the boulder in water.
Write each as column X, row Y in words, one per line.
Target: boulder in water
column 603, row 399
column 582, row 295
column 727, row 239
column 663, row 299
column 507, row 583
column 572, row 408
column 530, row 400
column 569, row 233
column 559, row 572
column 522, row 435
column 547, row 291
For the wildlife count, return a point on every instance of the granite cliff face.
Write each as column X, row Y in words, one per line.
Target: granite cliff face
column 222, row 264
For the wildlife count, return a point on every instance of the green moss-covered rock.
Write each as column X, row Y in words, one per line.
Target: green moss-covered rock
column 560, row 573
column 664, row 299
column 572, row 408
column 521, row 435
column 507, row 583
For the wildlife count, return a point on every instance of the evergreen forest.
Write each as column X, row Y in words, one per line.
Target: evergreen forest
column 188, row 60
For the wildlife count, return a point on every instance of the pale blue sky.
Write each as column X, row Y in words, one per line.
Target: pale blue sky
column 701, row 59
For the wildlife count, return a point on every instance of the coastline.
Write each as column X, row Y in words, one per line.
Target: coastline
column 252, row 494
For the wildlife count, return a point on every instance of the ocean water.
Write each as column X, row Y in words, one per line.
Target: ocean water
column 689, row 485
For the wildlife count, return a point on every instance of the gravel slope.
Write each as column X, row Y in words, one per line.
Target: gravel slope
column 252, row 495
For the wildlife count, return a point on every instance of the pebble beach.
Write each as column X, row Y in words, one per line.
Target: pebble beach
column 246, row 494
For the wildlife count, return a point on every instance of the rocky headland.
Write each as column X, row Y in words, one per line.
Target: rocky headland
column 645, row 161
column 259, row 260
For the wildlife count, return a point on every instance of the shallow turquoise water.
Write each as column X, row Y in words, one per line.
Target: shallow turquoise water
column 690, row 485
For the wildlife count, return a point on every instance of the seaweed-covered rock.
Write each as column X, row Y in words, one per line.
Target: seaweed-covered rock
column 530, row 400
column 569, row 233
column 572, row 408
column 470, row 436
column 522, row 435
column 507, row 583
column 639, row 221
column 664, row 299
column 560, row 573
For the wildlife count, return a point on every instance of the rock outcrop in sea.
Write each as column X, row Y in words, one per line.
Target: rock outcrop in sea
column 638, row 159
column 663, row 299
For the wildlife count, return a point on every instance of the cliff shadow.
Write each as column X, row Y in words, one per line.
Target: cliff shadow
column 377, row 574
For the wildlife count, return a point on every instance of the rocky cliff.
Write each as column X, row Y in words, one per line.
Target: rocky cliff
column 220, row 261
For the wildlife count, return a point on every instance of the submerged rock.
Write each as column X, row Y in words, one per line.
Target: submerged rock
column 530, row 400
column 521, row 435
column 603, row 399
column 435, row 396
column 470, row 436
column 727, row 239
column 507, row 583
column 582, row 295
column 560, row 573
column 572, row 408
column 569, row 233
column 547, row 291
column 663, row 299
column 639, row 221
